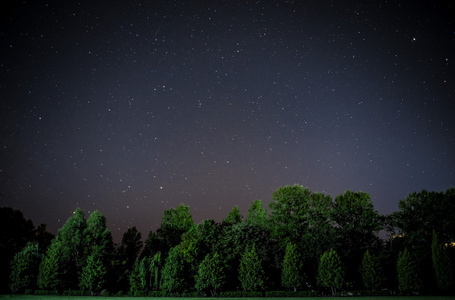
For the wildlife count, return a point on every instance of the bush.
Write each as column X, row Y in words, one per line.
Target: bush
column 139, row 294
column 105, row 294
column 73, row 293
column 119, row 294
column 156, row 294
column 191, row 294
column 42, row 292
column 29, row 292
column 299, row 294
column 240, row 294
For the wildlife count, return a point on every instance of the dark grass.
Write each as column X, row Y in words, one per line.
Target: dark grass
column 35, row 297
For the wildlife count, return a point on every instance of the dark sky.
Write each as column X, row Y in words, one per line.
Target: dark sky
column 133, row 107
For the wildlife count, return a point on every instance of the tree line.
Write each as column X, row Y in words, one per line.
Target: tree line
column 306, row 241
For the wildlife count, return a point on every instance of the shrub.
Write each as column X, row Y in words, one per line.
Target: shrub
column 42, row 292
column 73, row 293
column 299, row 294
column 29, row 292
column 240, row 294
column 139, row 294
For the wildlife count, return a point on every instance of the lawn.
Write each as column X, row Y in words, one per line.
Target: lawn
column 33, row 297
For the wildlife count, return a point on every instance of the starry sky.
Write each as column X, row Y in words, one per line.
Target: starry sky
column 133, row 107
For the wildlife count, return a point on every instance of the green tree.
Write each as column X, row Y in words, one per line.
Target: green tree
column 251, row 273
column 52, row 270
column 408, row 279
column 25, row 268
column 357, row 224
column 125, row 256
column 210, row 275
column 441, row 264
column 288, row 212
column 174, row 273
column 234, row 217
column 156, row 265
column 291, row 276
column 94, row 272
column 372, row 275
column 330, row 271
column 67, row 255
column 174, row 224
column 15, row 233
column 257, row 214
column 134, row 278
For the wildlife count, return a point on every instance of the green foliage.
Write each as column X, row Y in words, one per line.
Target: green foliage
column 135, row 282
column 291, row 276
column 233, row 217
column 408, row 280
column 156, row 264
column 441, row 264
column 25, row 268
column 173, row 273
column 257, row 214
column 174, row 223
column 372, row 274
column 287, row 294
column 52, row 269
column 94, row 272
column 210, row 275
column 330, row 271
column 251, row 273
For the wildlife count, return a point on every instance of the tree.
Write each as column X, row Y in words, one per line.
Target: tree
column 251, row 273
column 257, row 214
column 288, row 212
column 408, row 280
column 173, row 273
column 357, row 224
column 174, row 224
column 233, row 217
column 441, row 264
column 15, row 233
column 330, row 271
column 418, row 215
column 135, row 282
column 210, row 275
column 94, row 272
column 156, row 265
column 52, row 270
column 125, row 256
column 64, row 261
column 25, row 268
column 372, row 275
column 291, row 276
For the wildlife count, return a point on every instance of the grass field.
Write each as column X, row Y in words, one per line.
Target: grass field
column 33, row 297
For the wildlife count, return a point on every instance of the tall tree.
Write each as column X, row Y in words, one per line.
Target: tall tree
column 94, row 272
column 25, row 268
column 291, row 276
column 372, row 274
column 125, row 256
column 441, row 264
column 408, row 278
column 288, row 213
column 210, row 276
column 330, row 272
column 62, row 266
column 234, row 217
column 257, row 214
column 357, row 224
column 156, row 265
column 15, row 233
column 418, row 215
column 251, row 273
column 52, row 271
column 174, row 224
column 173, row 273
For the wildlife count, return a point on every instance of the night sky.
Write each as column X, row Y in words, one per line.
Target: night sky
column 133, row 107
